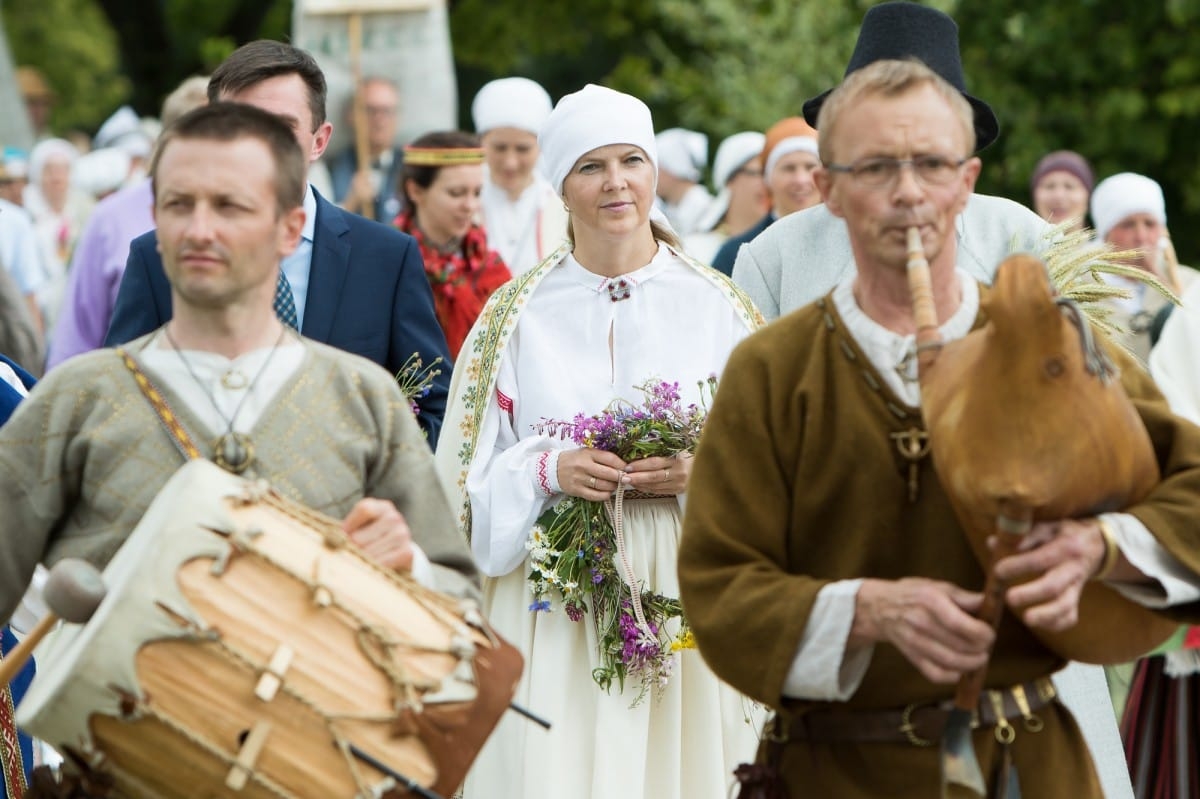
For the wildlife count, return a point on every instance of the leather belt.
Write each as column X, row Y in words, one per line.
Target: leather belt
column 918, row 724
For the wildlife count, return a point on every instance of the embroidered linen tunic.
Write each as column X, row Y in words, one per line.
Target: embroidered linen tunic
column 560, row 341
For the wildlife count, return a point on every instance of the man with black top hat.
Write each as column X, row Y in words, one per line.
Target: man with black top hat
column 822, row 563
column 804, row 255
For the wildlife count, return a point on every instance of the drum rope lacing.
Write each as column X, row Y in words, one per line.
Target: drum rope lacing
column 377, row 644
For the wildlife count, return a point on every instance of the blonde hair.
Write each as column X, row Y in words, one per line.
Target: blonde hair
column 661, row 234
column 888, row 78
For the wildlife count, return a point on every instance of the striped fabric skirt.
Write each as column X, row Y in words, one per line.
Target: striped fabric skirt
column 1161, row 731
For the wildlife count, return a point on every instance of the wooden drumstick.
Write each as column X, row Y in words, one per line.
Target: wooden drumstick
column 74, row 589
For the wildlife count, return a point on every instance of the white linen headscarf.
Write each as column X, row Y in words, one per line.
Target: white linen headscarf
column 47, row 151
column 1123, row 195
column 593, row 117
column 733, row 154
column 682, row 152
column 510, row 103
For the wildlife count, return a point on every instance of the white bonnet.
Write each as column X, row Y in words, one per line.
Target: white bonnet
column 593, row 117
column 734, row 153
column 682, row 152
column 510, row 103
column 1124, row 194
column 50, row 150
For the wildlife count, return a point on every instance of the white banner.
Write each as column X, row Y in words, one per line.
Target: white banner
column 409, row 47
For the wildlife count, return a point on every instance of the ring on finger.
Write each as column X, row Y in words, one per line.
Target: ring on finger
column 666, row 475
column 592, row 483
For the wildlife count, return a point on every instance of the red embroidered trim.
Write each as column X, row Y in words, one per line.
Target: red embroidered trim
column 504, row 401
column 10, row 748
column 1192, row 640
column 542, row 473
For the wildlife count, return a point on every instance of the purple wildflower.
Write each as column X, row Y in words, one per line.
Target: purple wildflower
column 540, row 606
column 574, row 612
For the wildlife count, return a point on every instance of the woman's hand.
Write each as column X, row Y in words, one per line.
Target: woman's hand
column 589, row 473
column 660, row 475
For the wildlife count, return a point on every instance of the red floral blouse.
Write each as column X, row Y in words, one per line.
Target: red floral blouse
column 461, row 281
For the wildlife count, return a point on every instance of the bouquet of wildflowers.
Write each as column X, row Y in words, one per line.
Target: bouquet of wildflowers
column 416, row 379
column 576, row 550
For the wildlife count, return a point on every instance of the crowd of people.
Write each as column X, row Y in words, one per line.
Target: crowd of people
column 797, row 591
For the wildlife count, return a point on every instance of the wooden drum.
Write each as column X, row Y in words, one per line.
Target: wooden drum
column 246, row 649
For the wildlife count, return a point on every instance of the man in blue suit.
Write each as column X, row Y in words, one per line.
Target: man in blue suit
column 353, row 284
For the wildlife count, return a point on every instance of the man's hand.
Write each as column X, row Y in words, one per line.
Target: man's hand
column 379, row 530
column 1060, row 557
column 930, row 622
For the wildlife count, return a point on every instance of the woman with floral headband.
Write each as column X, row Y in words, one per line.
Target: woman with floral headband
column 616, row 312
column 442, row 180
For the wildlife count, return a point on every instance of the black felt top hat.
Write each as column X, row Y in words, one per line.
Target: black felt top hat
column 907, row 30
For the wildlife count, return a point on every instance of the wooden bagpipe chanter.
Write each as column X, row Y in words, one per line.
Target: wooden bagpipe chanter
column 244, row 648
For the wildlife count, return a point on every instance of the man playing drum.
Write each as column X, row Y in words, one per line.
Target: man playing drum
column 824, row 573
column 86, row 453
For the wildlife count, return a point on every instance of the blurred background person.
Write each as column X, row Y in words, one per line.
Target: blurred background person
column 14, row 175
column 99, row 173
column 579, row 332
column 1061, row 186
column 1130, row 213
column 377, row 187
column 59, row 211
column 21, row 256
column 39, row 100
column 524, row 217
column 789, row 157
column 443, row 179
column 103, row 248
column 124, row 131
column 741, row 197
column 682, row 158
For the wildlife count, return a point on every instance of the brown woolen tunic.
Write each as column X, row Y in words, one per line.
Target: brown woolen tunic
column 797, row 483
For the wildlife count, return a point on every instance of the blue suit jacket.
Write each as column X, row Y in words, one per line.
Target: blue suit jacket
column 725, row 257
column 367, row 294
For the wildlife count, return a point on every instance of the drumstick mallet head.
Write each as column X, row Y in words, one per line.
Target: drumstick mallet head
column 73, row 591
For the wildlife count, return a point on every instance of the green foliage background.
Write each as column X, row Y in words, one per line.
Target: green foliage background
column 1118, row 83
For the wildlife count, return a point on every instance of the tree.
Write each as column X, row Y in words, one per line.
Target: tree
column 1121, row 87
column 72, row 44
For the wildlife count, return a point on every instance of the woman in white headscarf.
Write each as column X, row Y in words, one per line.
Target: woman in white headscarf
column 59, row 212
column 614, row 308
column 741, row 197
column 522, row 213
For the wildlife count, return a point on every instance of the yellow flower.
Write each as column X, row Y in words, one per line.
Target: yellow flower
column 685, row 641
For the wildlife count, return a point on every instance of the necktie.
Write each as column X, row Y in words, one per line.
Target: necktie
column 285, row 303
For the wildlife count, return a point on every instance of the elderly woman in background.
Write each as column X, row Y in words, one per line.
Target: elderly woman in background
column 614, row 309
column 442, row 181
column 1061, row 185
column 741, row 200
column 59, row 212
column 522, row 213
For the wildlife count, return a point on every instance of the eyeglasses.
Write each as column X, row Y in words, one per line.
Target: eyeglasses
column 876, row 173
